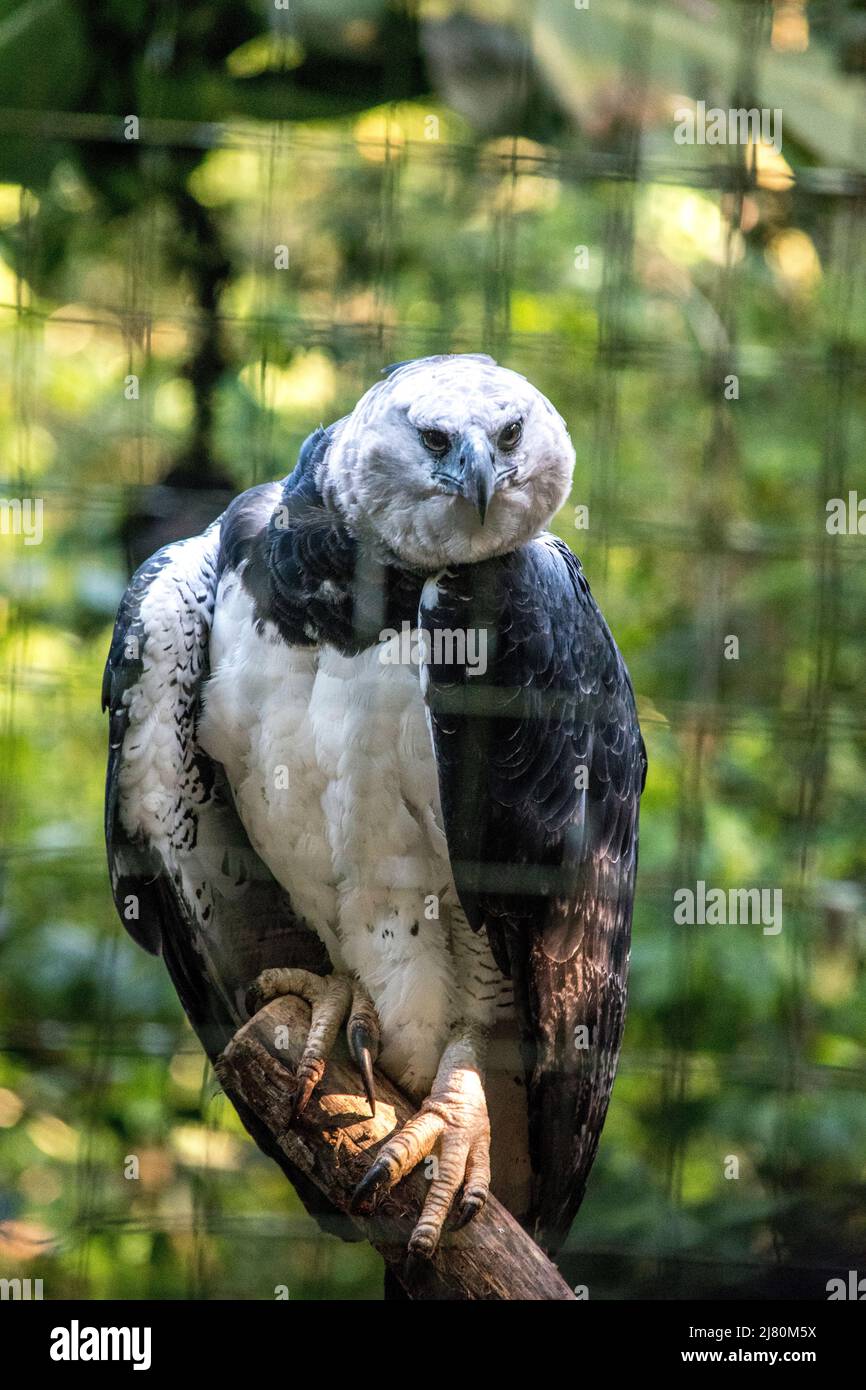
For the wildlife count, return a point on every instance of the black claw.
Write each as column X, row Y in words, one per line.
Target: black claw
column 422, row 1247
column 471, row 1207
column 253, row 1000
column 362, row 1044
column 366, row 1193
column 365, row 1066
column 300, row 1099
column 294, row 1108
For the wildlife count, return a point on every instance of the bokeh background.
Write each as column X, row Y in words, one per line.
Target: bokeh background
column 313, row 192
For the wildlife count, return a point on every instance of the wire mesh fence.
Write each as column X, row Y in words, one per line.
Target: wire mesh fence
column 181, row 302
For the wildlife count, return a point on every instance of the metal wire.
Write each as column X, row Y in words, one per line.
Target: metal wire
column 803, row 734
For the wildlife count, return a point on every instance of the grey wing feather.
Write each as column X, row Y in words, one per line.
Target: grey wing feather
column 541, row 765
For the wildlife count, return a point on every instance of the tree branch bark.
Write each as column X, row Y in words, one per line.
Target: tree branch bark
column 336, row 1140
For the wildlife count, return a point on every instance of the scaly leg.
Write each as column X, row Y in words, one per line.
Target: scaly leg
column 331, row 998
column 454, row 1116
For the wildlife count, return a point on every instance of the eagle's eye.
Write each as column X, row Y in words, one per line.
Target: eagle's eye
column 510, row 435
column 436, row 441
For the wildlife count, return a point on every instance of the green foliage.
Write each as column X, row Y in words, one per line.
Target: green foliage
column 706, row 518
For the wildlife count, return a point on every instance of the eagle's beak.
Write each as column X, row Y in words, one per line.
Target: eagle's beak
column 477, row 473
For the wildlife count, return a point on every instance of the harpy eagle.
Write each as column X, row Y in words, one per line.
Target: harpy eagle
column 372, row 743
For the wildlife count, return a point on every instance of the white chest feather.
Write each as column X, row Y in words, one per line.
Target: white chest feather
column 332, row 768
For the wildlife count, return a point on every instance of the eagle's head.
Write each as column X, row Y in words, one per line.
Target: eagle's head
column 450, row 460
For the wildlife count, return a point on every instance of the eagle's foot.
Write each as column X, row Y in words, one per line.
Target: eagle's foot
column 331, row 998
column 454, row 1117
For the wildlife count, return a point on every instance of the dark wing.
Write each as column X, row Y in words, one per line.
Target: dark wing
column 541, row 766
column 186, row 881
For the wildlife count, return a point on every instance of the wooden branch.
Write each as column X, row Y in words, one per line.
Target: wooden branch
column 335, row 1141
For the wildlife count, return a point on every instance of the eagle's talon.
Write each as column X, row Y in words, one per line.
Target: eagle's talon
column 329, row 997
column 469, row 1207
column 255, row 997
column 454, row 1118
column 423, row 1243
column 304, row 1088
column 369, row 1191
column 362, row 1035
column 364, row 1061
